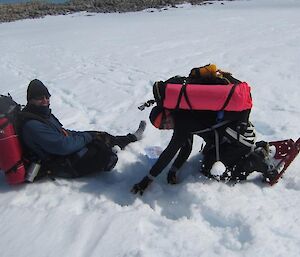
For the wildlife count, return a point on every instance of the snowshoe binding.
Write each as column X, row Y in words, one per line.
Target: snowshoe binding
column 280, row 155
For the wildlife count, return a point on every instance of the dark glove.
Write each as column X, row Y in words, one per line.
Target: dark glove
column 141, row 186
column 172, row 178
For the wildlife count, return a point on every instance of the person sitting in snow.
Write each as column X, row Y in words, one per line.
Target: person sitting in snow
column 62, row 152
column 229, row 150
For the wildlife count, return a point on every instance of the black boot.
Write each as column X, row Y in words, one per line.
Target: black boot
column 270, row 175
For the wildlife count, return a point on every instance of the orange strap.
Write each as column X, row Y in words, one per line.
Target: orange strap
column 64, row 132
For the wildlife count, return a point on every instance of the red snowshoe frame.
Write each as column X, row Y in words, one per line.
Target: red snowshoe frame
column 286, row 152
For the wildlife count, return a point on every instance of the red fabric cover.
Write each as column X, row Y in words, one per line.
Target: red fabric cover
column 10, row 154
column 209, row 97
column 161, row 118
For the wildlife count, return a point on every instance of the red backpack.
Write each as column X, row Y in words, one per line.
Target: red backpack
column 10, row 148
column 206, row 88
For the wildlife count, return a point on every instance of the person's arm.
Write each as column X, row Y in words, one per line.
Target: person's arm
column 49, row 140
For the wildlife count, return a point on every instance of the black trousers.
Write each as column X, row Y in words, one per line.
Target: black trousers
column 99, row 157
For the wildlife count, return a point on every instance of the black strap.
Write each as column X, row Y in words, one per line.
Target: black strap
column 146, row 104
column 183, row 93
column 217, row 144
column 10, row 118
column 180, row 95
column 4, row 124
column 228, row 97
column 216, row 126
column 14, row 167
column 186, row 97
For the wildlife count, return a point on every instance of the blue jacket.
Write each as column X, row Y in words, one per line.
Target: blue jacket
column 46, row 139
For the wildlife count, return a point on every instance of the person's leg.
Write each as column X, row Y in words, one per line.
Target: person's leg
column 99, row 157
column 123, row 141
column 182, row 156
column 110, row 140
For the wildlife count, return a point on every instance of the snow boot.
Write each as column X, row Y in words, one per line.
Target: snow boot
column 139, row 132
column 172, row 177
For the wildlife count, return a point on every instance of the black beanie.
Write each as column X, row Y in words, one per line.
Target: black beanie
column 36, row 89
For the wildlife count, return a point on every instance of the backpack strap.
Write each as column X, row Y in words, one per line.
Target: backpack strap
column 146, row 104
column 187, row 98
column 4, row 125
column 212, row 128
column 14, row 167
column 228, row 97
column 217, row 144
column 183, row 93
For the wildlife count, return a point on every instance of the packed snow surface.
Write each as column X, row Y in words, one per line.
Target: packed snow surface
column 99, row 68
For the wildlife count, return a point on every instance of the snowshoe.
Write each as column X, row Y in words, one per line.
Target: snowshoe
column 282, row 155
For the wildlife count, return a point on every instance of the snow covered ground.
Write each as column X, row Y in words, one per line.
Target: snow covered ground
column 99, row 68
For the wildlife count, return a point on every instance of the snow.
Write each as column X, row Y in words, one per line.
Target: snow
column 99, row 68
column 217, row 169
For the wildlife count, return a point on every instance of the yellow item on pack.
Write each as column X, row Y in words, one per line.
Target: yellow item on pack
column 209, row 70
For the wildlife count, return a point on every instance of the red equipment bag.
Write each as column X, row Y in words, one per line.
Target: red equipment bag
column 208, row 97
column 206, row 89
column 10, row 147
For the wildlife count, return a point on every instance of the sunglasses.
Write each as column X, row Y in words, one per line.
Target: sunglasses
column 40, row 98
